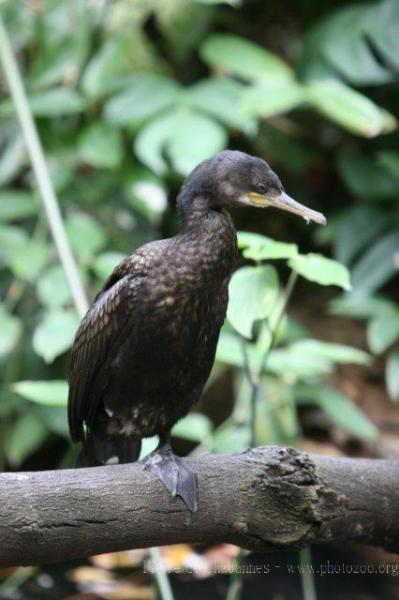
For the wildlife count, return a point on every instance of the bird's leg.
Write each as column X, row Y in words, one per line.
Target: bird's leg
column 176, row 476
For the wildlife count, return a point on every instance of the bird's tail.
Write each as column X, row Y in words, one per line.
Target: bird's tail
column 97, row 451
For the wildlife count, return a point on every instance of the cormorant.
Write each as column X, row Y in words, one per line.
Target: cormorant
column 145, row 348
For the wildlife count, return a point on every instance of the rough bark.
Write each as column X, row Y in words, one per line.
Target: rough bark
column 259, row 499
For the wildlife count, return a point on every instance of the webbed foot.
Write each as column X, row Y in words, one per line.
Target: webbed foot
column 176, row 476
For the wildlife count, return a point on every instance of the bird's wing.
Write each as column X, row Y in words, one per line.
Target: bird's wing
column 98, row 332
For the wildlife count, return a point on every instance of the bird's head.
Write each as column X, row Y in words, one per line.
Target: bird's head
column 233, row 178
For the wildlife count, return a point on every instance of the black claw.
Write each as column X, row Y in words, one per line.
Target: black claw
column 176, row 476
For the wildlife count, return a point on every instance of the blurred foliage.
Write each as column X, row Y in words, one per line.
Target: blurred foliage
column 129, row 96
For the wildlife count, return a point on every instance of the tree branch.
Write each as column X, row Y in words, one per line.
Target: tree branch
column 260, row 499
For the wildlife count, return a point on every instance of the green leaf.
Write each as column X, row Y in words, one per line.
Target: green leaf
column 10, row 327
column 383, row 331
column 55, row 334
column 29, row 259
column 392, row 374
column 55, row 419
column 100, row 145
column 231, row 439
column 361, row 306
column 253, row 292
column 240, row 57
column 350, row 109
column 194, row 427
column 12, row 239
column 147, row 95
column 267, row 99
column 150, row 143
column 260, row 247
column 291, row 365
column 105, row 66
column 146, row 193
column 16, row 205
column 27, row 435
column 377, row 265
column 188, row 138
column 344, row 412
column 50, row 393
column 105, row 263
column 367, row 177
column 195, row 138
column 51, row 103
column 337, row 353
column 12, row 158
column 87, row 237
column 52, row 287
column 367, row 222
column 350, row 55
column 231, row 352
column 320, row 269
column 220, row 98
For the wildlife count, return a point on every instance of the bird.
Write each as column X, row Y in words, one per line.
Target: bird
column 145, row 349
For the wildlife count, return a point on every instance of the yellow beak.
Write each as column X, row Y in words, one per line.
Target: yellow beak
column 284, row 202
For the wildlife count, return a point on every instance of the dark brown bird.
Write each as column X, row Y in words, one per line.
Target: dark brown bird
column 145, row 348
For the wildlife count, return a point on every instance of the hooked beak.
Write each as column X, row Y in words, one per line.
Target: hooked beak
column 284, row 202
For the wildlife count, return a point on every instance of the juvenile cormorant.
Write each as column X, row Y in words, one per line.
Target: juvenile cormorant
column 145, row 348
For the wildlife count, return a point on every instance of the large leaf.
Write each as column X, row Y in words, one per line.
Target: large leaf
column 272, row 98
column 105, row 66
column 87, row 237
column 383, row 331
column 253, row 293
column 368, row 223
column 221, row 99
column 377, row 265
column 52, row 287
column 27, row 435
column 336, row 353
column 350, row 109
column 361, row 306
column 392, row 374
column 344, row 412
column 16, row 205
column 146, row 95
column 12, row 158
column 49, row 393
column 51, row 103
column 29, row 259
column 320, row 269
column 10, row 327
column 238, row 56
column 291, row 365
column 341, row 44
column 260, row 247
column 100, row 145
column 187, row 137
column 194, row 427
column 195, row 138
column 12, row 241
column 368, row 177
column 55, row 334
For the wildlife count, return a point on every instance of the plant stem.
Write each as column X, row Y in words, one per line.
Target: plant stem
column 54, row 217
column 40, row 169
column 308, row 584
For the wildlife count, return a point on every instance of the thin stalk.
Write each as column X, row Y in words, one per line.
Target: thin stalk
column 307, row 577
column 55, row 221
column 254, row 375
column 40, row 169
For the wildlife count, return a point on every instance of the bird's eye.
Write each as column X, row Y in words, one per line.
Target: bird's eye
column 262, row 189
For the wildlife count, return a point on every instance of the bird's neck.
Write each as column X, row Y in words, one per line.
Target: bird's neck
column 210, row 236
